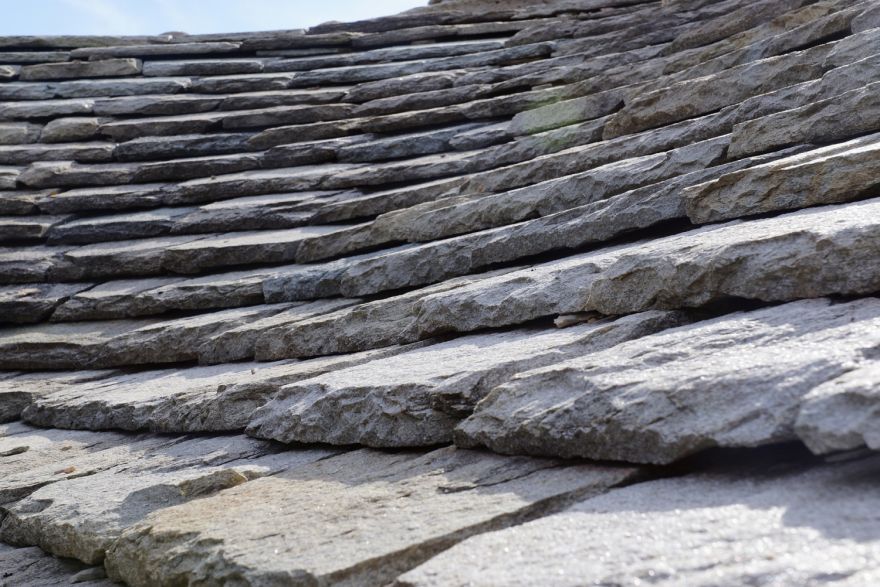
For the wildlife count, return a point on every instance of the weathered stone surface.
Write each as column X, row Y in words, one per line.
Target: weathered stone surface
column 837, row 173
column 385, row 322
column 33, row 56
column 413, row 152
column 842, row 413
column 9, row 177
column 195, row 399
column 384, row 55
column 27, row 265
column 414, row 83
column 65, row 130
column 753, row 522
column 81, row 152
column 566, row 112
column 81, row 69
column 254, row 183
column 20, row 389
column 451, row 216
column 20, row 203
column 734, row 21
column 399, row 147
column 811, row 253
column 219, row 66
column 841, row 79
column 93, row 87
column 398, row 121
column 867, row 20
column 155, row 105
column 668, row 395
column 120, row 342
column 34, row 457
column 46, row 108
column 9, row 72
column 273, row 211
column 813, row 23
column 826, row 121
column 101, row 198
column 577, row 227
column 120, row 258
column 127, row 129
column 278, row 246
column 54, row 174
column 17, row 133
column 35, row 302
column 691, row 98
column 81, row 517
column 365, row 205
column 31, row 567
column 586, row 157
column 418, row 504
column 266, row 99
column 149, row 148
column 27, row 227
column 144, row 297
column 150, row 257
column 239, row 343
column 97, row 53
column 70, row 41
column 417, row 398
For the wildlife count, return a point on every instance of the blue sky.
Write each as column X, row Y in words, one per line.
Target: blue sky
column 148, row 17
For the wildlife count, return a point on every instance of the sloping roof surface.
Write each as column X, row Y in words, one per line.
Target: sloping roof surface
column 561, row 292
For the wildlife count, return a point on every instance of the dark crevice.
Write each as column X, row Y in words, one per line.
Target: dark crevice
column 830, row 38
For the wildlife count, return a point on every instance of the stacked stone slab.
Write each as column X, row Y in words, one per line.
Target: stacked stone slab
column 562, row 292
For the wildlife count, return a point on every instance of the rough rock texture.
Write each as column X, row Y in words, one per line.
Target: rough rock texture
column 841, row 414
column 31, row 567
column 195, row 399
column 783, row 524
column 326, row 516
column 656, row 399
column 416, row 398
column 631, row 230
column 838, row 173
column 61, row 519
column 804, row 254
column 80, row 69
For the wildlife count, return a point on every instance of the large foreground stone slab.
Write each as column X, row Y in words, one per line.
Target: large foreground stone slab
column 81, row 517
column 735, row 381
column 34, row 457
column 324, row 520
column 758, row 523
column 416, row 398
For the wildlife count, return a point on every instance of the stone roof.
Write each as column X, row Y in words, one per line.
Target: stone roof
column 559, row 292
